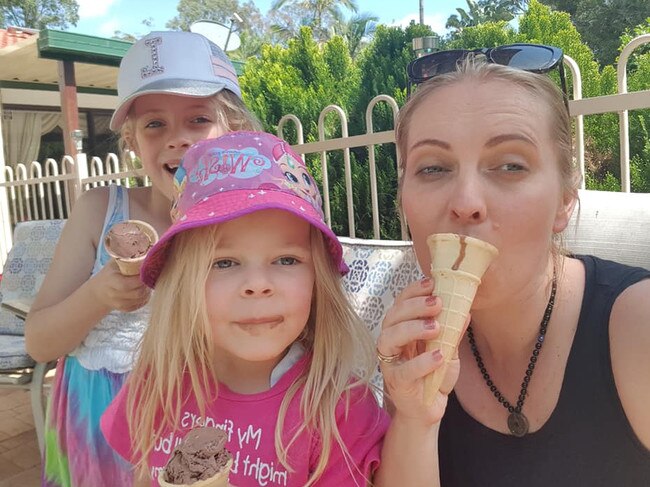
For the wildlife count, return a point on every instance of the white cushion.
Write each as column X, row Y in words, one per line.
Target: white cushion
column 613, row 226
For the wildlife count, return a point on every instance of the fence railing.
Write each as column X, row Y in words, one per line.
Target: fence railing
column 49, row 190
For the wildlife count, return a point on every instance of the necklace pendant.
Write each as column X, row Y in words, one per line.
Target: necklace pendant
column 518, row 424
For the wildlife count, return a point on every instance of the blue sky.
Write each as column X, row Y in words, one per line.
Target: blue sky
column 104, row 17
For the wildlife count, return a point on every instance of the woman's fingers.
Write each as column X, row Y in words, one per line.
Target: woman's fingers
column 418, row 307
column 393, row 339
column 423, row 287
column 412, row 371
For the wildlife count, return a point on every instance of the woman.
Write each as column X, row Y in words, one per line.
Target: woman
column 486, row 152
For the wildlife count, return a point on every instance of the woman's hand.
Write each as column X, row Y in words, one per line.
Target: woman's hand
column 116, row 291
column 410, row 321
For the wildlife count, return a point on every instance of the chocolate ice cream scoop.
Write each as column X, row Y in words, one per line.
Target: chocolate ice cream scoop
column 201, row 455
column 127, row 240
column 128, row 243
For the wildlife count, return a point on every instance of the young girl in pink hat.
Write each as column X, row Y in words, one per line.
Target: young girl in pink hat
column 174, row 88
column 251, row 330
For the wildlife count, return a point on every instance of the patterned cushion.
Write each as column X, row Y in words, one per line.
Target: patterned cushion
column 12, row 353
column 10, row 324
column 379, row 270
column 27, row 263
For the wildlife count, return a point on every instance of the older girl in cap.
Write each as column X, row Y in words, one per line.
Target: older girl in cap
column 174, row 89
column 251, row 330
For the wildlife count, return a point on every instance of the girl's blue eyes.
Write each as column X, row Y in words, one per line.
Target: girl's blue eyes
column 228, row 263
column 159, row 123
column 223, row 264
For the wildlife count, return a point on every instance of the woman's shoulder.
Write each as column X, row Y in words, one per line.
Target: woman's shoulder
column 629, row 334
column 631, row 313
column 609, row 274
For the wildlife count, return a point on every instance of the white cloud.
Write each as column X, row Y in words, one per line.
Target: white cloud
column 108, row 28
column 436, row 21
column 94, row 8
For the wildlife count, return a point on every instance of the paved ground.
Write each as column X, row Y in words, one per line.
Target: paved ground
column 19, row 456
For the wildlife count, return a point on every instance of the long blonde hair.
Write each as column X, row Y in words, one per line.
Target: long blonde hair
column 178, row 344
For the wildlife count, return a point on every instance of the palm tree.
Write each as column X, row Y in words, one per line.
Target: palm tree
column 481, row 11
column 317, row 14
column 356, row 31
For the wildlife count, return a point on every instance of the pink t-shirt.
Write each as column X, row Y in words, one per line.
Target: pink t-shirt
column 250, row 422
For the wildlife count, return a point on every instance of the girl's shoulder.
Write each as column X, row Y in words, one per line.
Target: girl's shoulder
column 94, row 198
column 88, row 213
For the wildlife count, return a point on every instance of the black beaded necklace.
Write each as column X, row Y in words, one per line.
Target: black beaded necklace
column 517, row 421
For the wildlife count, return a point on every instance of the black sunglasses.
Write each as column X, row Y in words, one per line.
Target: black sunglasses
column 535, row 58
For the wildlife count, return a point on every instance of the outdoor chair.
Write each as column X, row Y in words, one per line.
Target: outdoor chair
column 24, row 271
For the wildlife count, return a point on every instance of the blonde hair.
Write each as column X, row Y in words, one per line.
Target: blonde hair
column 178, row 343
column 538, row 86
column 229, row 110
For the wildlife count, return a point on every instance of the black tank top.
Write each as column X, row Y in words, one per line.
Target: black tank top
column 587, row 441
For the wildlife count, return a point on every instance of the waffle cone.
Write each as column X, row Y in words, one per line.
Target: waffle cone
column 131, row 266
column 457, row 265
column 218, row 480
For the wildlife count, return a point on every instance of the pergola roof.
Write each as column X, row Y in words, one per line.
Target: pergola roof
column 33, row 60
column 30, row 57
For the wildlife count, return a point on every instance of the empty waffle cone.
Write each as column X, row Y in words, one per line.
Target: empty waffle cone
column 457, row 265
column 130, row 266
column 218, row 480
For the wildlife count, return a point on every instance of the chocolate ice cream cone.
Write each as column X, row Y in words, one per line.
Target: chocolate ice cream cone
column 218, row 480
column 130, row 265
column 457, row 265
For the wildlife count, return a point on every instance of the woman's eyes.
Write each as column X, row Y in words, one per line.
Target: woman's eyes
column 432, row 170
column 511, row 167
column 436, row 170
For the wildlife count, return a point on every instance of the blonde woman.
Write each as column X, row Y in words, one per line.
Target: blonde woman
column 251, row 331
column 553, row 386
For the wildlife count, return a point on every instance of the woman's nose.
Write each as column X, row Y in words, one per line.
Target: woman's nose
column 467, row 204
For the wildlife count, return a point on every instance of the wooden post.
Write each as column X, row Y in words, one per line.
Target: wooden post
column 69, row 107
column 70, row 111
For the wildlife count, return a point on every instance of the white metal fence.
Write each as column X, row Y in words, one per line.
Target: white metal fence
column 49, row 190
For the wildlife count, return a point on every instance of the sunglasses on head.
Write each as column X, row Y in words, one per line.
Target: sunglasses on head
column 528, row 57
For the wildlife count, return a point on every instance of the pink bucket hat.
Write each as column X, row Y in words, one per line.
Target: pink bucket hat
column 236, row 174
